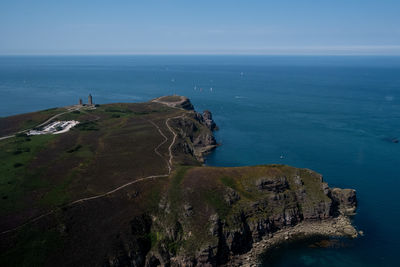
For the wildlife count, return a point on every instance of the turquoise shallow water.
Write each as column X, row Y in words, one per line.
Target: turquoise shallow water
column 331, row 114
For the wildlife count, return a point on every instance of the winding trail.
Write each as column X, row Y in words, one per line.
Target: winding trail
column 169, row 164
column 171, row 156
column 162, row 143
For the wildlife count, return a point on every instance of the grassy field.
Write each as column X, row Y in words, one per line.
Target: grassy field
column 113, row 145
column 17, row 179
column 101, row 153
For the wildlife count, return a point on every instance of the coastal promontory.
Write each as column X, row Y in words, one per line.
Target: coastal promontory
column 126, row 185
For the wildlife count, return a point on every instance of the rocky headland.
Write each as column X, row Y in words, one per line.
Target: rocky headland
column 268, row 205
column 194, row 140
column 126, row 187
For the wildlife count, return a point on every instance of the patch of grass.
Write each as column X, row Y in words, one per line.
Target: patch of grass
column 16, row 177
column 237, row 186
column 18, row 164
column 144, row 112
column 118, row 110
column 172, row 246
column 313, row 187
column 21, row 135
column 228, row 181
column 175, row 193
column 20, row 150
column 153, row 236
column 215, row 199
column 58, row 195
column 154, row 198
column 39, row 117
column 74, row 115
column 33, row 247
column 87, row 126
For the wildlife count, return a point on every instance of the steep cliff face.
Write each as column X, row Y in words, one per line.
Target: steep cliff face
column 214, row 214
column 133, row 250
column 195, row 133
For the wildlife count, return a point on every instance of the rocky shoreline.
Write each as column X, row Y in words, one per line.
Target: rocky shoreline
column 337, row 227
column 242, row 237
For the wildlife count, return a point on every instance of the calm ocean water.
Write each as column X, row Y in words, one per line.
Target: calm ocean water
column 330, row 114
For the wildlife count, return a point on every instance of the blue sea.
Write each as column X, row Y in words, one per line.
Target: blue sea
column 335, row 115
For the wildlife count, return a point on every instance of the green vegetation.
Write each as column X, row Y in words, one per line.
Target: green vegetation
column 228, row 181
column 217, row 201
column 313, row 189
column 57, row 195
column 21, row 135
column 237, row 185
column 33, row 247
column 175, row 190
column 87, row 126
column 17, row 123
column 39, row 117
column 118, row 110
column 16, row 178
column 74, row 115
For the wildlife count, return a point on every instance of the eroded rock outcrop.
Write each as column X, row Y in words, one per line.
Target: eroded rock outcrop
column 345, row 199
column 266, row 206
column 196, row 134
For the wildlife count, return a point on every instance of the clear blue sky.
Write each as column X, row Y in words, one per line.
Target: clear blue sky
column 200, row 27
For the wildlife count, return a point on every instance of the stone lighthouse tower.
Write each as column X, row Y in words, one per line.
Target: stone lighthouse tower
column 90, row 100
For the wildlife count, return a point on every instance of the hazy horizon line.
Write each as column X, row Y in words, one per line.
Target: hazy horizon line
column 201, row 54
column 332, row 50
